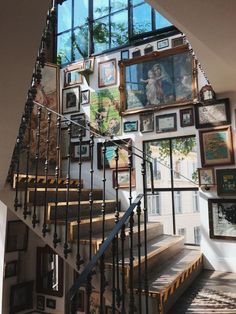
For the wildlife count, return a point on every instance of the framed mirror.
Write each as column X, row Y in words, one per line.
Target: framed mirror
column 49, row 272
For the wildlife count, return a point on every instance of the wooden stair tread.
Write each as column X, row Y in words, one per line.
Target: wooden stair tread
column 173, row 270
column 86, row 220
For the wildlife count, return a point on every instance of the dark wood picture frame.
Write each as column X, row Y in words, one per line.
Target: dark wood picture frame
column 107, row 74
column 130, row 126
column 226, row 182
column 40, row 302
column 11, row 269
column 75, row 129
column 110, row 154
column 216, row 147
column 213, row 114
column 141, row 92
column 85, row 97
column 51, row 303
column 21, row 296
column 85, row 151
column 123, row 178
column 17, row 236
column 71, row 100
column 72, row 77
column 222, row 218
column 186, row 117
column 146, row 122
column 124, row 55
column 206, row 177
column 166, row 123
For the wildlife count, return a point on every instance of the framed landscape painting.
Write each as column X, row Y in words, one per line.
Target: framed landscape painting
column 158, row 80
column 216, row 147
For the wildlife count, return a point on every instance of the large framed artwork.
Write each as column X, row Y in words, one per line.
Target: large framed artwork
column 222, row 218
column 21, row 296
column 107, row 73
column 17, row 236
column 110, row 154
column 216, row 147
column 105, row 111
column 226, row 182
column 158, row 80
column 213, row 114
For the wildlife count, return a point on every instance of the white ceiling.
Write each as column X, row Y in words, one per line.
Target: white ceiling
column 210, row 27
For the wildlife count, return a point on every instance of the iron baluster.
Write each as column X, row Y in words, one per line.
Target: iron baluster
column 45, row 227
column 16, row 202
column 122, row 237
column 130, row 171
column 56, row 240
column 139, row 245
column 91, row 147
column 131, row 263
column 67, row 249
column 114, row 275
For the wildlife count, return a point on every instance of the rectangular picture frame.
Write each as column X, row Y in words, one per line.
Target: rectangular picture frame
column 21, row 296
column 85, row 151
column 75, row 129
column 213, row 114
column 216, row 147
column 17, row 236
column 11, row 269
column 51, row 303
column 130, row 126
column 226, row 182
column 72, row 77
column 107, row 75
column 186, row 117
column 166, row 123
column 161, row 44
column 146, row 122
column 222, row 219
column 123, row 178
column 40, row 302
column 124, row 55
column 85, row 97
column 206, row 177
column 71, row 100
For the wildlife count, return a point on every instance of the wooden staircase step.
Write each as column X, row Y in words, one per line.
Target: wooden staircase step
column 84, row 209
column 61, row 195
column 41, row 182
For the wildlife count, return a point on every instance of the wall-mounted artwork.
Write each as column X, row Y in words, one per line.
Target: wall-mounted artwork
column 80, row 151
column 186, row 117
column 222, row 218
column 146, row 122
column 104, row 111
column 85, row 97
column 130, row 126
column 107, row 73
column 123, row 178
column 158, row 80
column 166, row 123
column 11, row 269
column 17, row 236
column 79, row 127
column 73, row 77
column 226, row 182
column 70, row 100
column 216, row 147
column 21, row 297
column 164, row 43
column 206, row 177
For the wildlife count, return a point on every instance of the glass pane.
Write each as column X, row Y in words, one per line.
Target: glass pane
column 186, row 217
column 119, row 29
column 159, row 154
column 80, row 12
column 100, row 8
column 161, row 22
column 64, row 48
column 101, row 35
column 160, row 209
column 80, row 43
column 136, row 2
column 64, row 16
column 142, row 19
column 184, row 153
column 118, row 5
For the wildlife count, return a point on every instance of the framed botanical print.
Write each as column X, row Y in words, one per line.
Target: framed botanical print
column 166, row 123
column 222, row 218
column 226, row 182
column 216, row 147
column 107, row 73
column 123, row 178
column 186, row 117
column 213, row 114
column 70, row 100
column 206, row 177
column 146, row 122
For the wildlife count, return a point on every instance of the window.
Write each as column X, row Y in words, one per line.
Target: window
column 195, row 202
column 197, row 235
column 154, row 204
column 111, row 24
column 178, row 203
column 182, row 232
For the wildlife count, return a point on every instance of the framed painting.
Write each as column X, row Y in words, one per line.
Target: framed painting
column 64, row 148
column 158, row 80
column 17, row 236
column 72, row 77
column 85, row 151
column 216, row 147
column 148, row 49
column 107, row 73
column 164, row 43
column 123, row 178
column 89, row 65
column 85, row 97
column 51, row 303
column 222, row 218
column 130, row 126
column 186, row 117
column 40, row 302
column 105, row 116
column 206, row 177
column 70, row 100
column 110, row 154
column 11, row 269
column 81, row 121
column 21, row 296
column 136, row 53
column 226, row 182
column 212, row 114
column 166, row 123
column 124, row 55
column 146, row 122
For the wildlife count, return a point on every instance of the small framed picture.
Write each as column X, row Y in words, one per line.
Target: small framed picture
column 166, row 123
column 64, row 143
column 17, row 236
column 75, row 129
column 70, row 100
column 186, row 117
column 146, row 122
column 226, row 182
column 130, row 126
column 85, row 97
column 73, row 77
column 51, row 303
column 222, row 218
column 89, row 65
column 107, row 73
column 85, row 151
column 136, row 53
column 11, row 269
column 123, row 178
column 124, row 55
column 178, row 41
column 148, row 49
column 161, row 44
column 40, row 302
column 206, row 177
